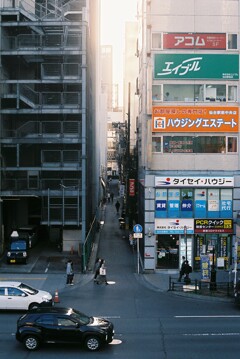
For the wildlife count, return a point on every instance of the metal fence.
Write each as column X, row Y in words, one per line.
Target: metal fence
column 218, row 289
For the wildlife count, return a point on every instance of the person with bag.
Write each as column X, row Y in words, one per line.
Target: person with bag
column 187, row 270
column 97, row 268
column 181, row 273
column 69, row 272
column 102, row 277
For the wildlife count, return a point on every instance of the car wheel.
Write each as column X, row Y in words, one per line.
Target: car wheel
column 92, row 343
column 31, row 342
column 33, row 306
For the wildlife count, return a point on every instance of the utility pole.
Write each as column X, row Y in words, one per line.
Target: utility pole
column 127, row 169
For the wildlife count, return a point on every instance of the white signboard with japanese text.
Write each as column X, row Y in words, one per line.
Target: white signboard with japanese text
column 174, row 225
column 189, row 181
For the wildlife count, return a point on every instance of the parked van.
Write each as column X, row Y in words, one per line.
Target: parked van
column 27, row 233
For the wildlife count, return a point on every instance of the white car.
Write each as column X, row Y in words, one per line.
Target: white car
column 20, row 296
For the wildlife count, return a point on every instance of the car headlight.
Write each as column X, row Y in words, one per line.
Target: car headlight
column 45, row 299
column 24, row 254
column 8, row 254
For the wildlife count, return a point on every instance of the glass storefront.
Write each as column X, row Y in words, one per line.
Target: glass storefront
column 216, row 246
column 167, row 251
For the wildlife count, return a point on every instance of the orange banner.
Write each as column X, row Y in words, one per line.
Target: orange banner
column 195, row 119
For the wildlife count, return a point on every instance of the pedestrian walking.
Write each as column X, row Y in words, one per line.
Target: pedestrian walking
column 112, row 195
column 117, row 205
column 181, row 273
column 187, row 270
column 69, row 272
column 97, row 267
column 102, row 277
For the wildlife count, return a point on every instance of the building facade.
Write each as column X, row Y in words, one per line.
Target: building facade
column 188, row 132
column 47, row 116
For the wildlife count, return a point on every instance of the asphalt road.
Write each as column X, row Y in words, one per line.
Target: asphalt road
column 148, row 323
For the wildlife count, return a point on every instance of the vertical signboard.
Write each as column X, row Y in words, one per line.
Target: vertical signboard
column 131, row 187
column 205, row 267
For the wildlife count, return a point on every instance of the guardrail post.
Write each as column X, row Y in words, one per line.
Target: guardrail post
column 196, row 285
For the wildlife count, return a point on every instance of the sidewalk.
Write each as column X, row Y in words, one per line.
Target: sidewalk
column 159, row 280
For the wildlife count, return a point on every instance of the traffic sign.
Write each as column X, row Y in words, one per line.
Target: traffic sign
column 137, row 235
column 137, row 228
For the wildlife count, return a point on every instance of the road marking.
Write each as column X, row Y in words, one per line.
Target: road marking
column 211, row 334
column 46, row 270
column 111, row 317
column 16, row 279
column 207, row 316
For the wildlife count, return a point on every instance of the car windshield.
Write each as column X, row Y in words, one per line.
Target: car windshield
column 19, row 245
column 80, row 317
column 28, row 289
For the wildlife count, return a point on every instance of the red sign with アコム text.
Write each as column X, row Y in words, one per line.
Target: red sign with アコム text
column 194, row 41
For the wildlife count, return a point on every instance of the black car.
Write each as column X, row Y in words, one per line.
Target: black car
column 17, row 252
column 63, row 325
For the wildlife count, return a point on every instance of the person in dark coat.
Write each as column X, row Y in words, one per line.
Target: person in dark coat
column 187, row 270
column 97, row 267
column 112, row 195
column 117, row 205
column 181, row 273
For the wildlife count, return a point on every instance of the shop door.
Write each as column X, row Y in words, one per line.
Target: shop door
column 167, row 251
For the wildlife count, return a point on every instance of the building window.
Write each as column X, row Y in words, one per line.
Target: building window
column 232, row 41
column 195, row 92
column 156, row 40
column 156, row 93
column 194, row 203
column 232, row 93
column 156, row 144
column 232, row 144
column 199, row 144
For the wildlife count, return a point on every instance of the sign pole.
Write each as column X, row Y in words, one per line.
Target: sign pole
column 138, row 234
column 138, row 256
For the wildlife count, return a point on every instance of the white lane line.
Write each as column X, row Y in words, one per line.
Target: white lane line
column 22, row 278
column 207, row 316
column 46, row 270
column 211, row 334
column 111, row 317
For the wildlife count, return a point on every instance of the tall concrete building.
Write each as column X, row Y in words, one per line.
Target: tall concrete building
column 130, row 74
column 188, row 132
column 107, row 75
column 47, row 117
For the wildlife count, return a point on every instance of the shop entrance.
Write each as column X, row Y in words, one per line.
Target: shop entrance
column 167, row 251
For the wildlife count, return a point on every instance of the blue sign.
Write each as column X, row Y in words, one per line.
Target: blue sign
column 137, row 228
